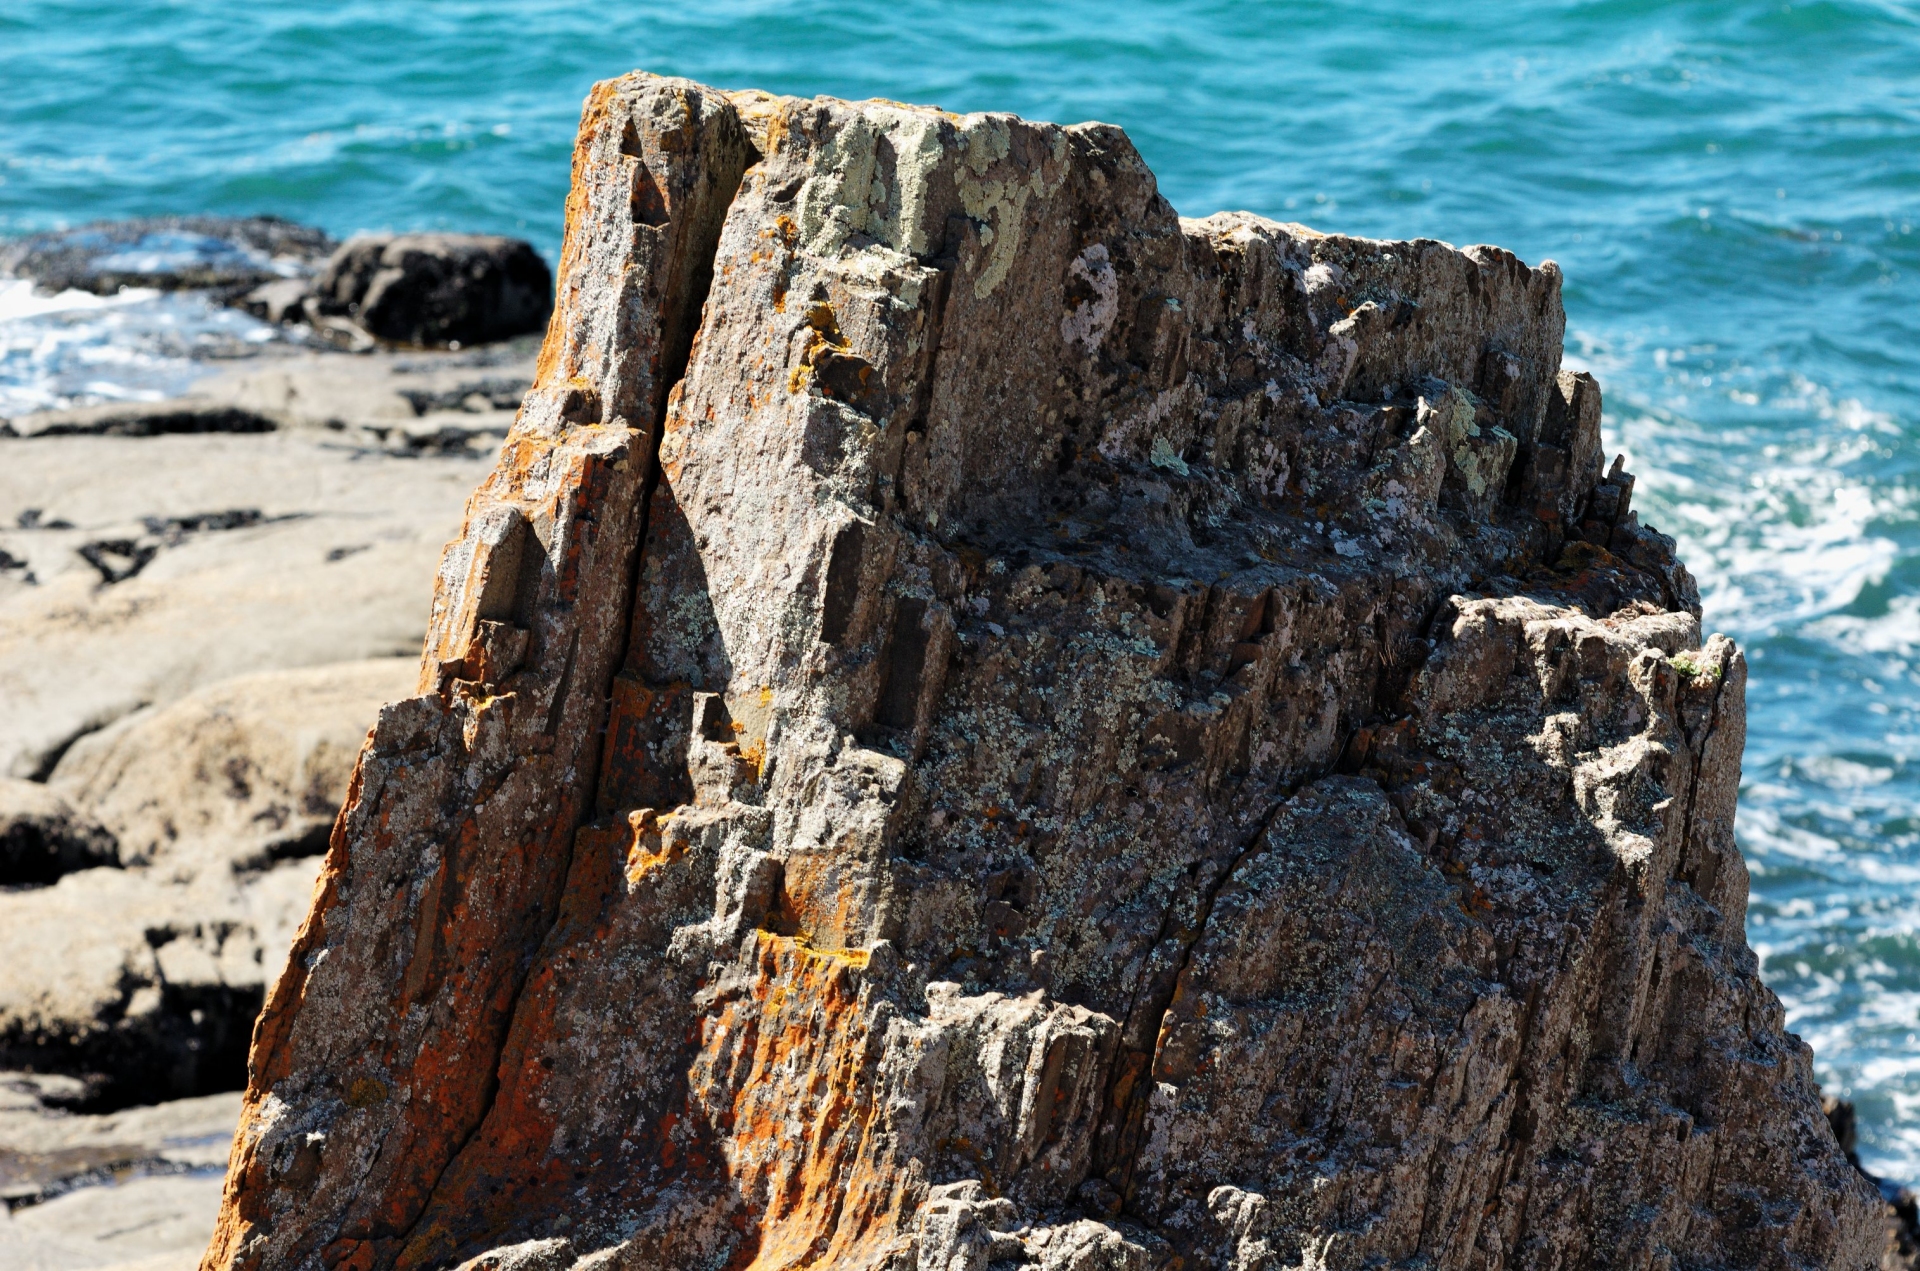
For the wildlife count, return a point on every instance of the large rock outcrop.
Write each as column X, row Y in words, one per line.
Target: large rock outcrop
column 979, row 723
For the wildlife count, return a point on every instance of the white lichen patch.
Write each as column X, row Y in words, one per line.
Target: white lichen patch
column 1090, row 320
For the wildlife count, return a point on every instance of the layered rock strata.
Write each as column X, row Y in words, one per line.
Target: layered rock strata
column 979, row 723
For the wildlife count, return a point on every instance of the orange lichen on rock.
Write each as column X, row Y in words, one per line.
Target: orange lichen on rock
column 787, row 1075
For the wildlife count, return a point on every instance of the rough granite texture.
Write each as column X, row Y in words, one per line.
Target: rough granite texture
column 1103, row 742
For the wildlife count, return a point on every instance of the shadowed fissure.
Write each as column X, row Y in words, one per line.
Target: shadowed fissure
column 676, row 349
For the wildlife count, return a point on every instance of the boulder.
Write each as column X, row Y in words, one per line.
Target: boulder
column 226, row 255
column 42, row 836
column 143, row 980
column 977, row 722
column 142, row 984
column 238, row 775
column 432, row 289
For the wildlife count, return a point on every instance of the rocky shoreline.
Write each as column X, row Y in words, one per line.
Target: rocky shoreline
column 204, row 600
column 976, row 722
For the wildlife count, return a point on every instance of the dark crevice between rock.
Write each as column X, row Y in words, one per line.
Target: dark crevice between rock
column 33, row 1179
column 1117, row 1150
column 194, row 1044
column 165, row 422
column 9, row 562
column 39, row 851
column 118, row 559
column 299, row 845
column 473, row 396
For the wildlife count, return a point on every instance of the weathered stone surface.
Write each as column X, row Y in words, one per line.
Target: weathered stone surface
column 42, row 836
column 1127, row 743
column 429, row 289
column 150, row 1222
column 143, row 980
column 229, row 555
column 236, row 776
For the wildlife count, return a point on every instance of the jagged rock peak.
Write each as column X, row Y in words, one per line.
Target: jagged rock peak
column 979, row 723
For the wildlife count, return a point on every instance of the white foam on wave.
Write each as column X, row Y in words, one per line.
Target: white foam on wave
column 1786, row 542
column 1789, row 536
column 73, row 347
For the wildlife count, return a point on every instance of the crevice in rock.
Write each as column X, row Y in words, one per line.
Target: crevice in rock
column 38, row 851
column 49, row 759
column 311, row 841
column 676, row 345
column 160, row 423
column 1135, row 1067
column 194, row 1044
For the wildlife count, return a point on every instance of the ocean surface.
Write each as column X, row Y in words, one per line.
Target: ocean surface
column 1731, row 186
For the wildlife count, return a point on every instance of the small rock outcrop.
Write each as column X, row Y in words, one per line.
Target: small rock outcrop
column 979, row 723
column 137, row 969
column 428, row 289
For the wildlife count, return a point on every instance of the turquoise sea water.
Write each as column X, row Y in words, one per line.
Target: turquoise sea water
column 1732, row 186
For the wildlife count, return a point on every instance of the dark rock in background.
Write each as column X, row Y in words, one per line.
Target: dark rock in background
column 1903, row 1206
column 429, row 290
column 433, row 289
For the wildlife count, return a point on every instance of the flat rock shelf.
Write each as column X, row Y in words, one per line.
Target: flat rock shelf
column 979, row 723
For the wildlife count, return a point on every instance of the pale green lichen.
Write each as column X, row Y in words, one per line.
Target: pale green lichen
column 1166, row 457
column 1689, row 664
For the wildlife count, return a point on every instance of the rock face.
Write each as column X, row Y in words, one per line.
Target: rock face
column 430, row 289
column 979, row 723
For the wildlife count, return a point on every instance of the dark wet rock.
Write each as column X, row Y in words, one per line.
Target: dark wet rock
column 282, row 300
column 1902, row 1203
column 118, row 559
column 143, row 419
column 226, row 255
column 435, row 289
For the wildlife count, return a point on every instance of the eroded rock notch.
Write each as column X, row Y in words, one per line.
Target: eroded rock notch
column 978, row 722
